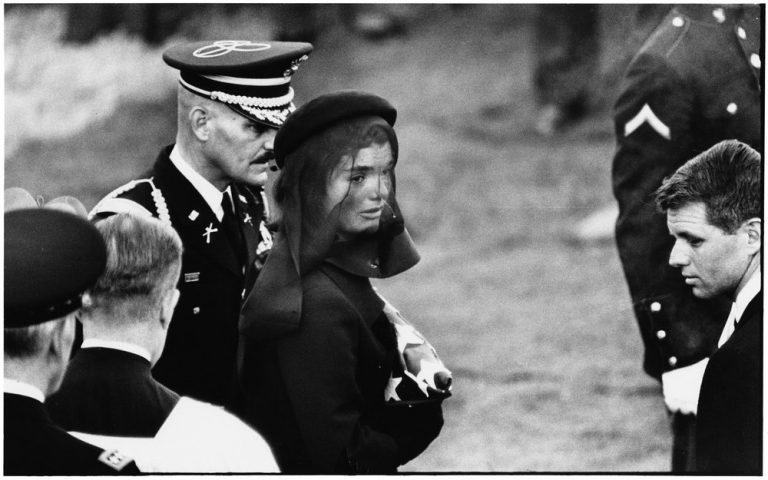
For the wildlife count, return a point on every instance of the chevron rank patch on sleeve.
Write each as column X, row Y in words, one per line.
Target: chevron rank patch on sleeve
column 646, row 115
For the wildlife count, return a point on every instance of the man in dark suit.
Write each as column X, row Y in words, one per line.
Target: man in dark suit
column 714, row 212
column 50, row 258
column 232, row 96
column 697, row 80
column 108, row 392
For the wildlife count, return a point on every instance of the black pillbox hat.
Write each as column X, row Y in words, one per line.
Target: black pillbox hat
column 51, row 258
column 251, row 77
column 322, row 112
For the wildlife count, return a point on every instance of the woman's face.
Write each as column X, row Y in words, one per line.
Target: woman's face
column 361, row 185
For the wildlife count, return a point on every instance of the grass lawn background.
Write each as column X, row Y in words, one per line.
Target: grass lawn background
column 536, row 328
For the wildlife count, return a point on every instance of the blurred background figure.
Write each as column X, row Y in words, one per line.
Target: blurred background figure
column 697, row 80
column 567, row 49
column 714, row 209
column 51, row 257
column 108, row 395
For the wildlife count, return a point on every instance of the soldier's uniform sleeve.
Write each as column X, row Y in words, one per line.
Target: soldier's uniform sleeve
column 654, row 120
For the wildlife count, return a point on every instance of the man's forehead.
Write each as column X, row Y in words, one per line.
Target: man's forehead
column 691, row 217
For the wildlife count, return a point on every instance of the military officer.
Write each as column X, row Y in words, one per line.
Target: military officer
column 51, row 257
column 232, row 96
column 696, row 80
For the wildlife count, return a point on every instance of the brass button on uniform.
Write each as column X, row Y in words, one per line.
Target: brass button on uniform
column 661, row 334
column 754, row 59
column 655, row 307
column 672, row 361
column 678, row 22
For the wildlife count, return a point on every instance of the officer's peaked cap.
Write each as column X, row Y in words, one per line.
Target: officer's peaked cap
column 324, row 111
column 251, row 77
column 51, row 258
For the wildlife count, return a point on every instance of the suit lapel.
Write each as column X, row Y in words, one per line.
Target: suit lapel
column 192, row 217
column 753, row 310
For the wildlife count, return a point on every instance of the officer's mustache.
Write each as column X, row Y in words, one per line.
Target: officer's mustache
column 266, row 157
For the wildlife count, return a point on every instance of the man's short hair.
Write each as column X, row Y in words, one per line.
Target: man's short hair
column 726, row 178
column 28, row 342
column 143, row 264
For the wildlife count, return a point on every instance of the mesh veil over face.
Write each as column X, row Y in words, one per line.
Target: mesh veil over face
column 310, row 226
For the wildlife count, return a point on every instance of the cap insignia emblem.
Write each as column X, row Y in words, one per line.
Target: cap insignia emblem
column 247, row 219
column 223, row 47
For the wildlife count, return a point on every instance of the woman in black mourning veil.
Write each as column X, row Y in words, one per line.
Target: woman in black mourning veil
column 317, row 352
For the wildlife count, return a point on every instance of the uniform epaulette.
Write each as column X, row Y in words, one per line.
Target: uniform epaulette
column 108, row 203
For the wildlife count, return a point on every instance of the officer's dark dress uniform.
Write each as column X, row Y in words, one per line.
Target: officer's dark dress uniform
column 199, row 355
column 251, row 78
column 109, row 394
column 34, row 445
column 103, row 377
column 729, row 436
column 697, row 80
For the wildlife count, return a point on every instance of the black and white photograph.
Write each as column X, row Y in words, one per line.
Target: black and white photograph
column 383, row 238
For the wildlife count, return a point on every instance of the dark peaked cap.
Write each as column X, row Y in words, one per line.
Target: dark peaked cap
column 325, row 110
column 251, row 77
column 51, row 258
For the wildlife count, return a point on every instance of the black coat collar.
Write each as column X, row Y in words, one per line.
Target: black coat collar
column 753, row 310
column 358, row 289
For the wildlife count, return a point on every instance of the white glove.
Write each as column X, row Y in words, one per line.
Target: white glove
column 681, row 387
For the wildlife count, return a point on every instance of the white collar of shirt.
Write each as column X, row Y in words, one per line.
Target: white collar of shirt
column 115, row 345
column 210, row 194
column 750, row 291
column 21, row 388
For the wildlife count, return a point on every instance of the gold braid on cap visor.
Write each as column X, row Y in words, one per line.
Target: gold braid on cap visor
column 262, row 108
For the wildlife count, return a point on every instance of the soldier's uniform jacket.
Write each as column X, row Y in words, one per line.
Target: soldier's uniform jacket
column 696, row 81
column 199, row 355
column 34, row 445
column 109, row 398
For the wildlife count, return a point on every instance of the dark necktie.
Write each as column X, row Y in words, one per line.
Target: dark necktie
column 232, row 229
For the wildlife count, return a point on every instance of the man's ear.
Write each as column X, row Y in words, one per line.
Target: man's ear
column 62, row 337
column 754, row 230
column 199, row 122
column 169, row 305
